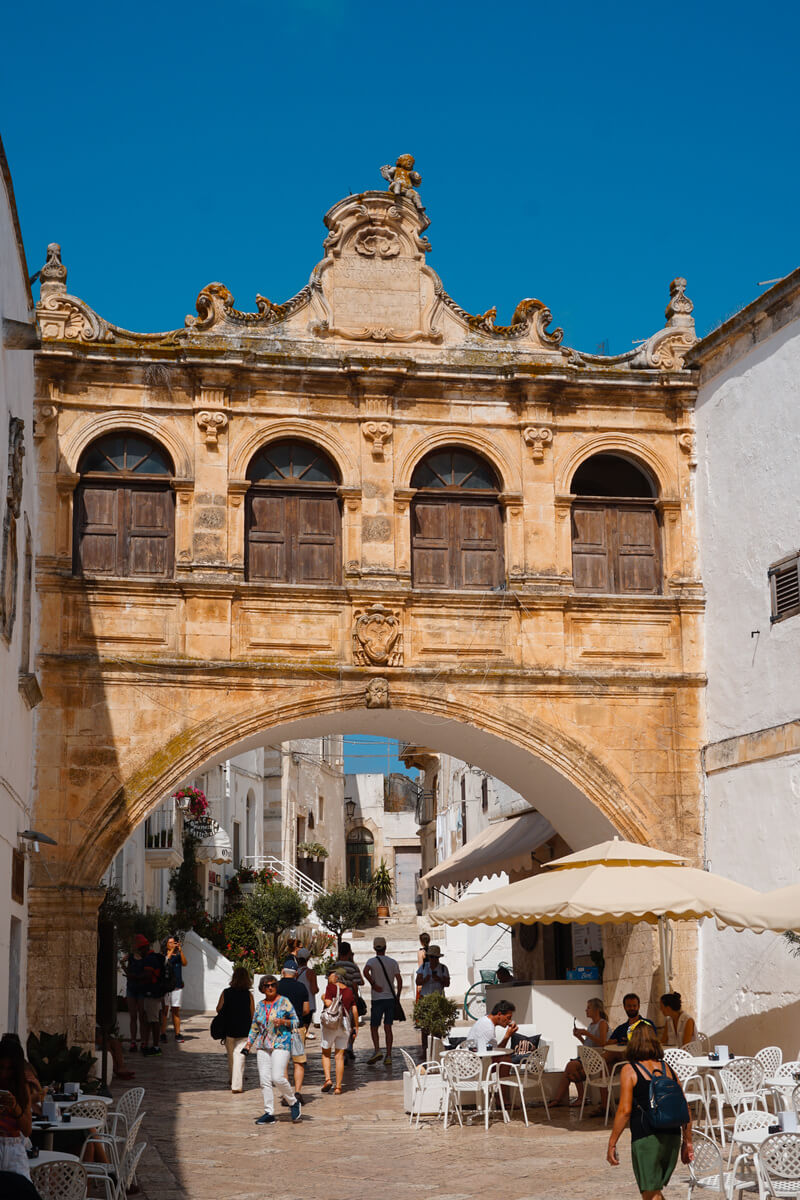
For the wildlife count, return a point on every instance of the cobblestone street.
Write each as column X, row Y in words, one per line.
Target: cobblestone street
column 202, row 1143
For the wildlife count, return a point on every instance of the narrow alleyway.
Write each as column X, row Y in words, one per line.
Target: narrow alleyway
column 203, row 1145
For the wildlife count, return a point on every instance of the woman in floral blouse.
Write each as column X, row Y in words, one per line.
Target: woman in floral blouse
column 271, row 1035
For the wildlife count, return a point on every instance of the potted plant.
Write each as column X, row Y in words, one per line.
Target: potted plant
column 310, row 860
column 191, row 800
column 436, row 1015
column 382, row 888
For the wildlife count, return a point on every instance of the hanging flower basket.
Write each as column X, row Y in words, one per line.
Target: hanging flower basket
column 191, row 800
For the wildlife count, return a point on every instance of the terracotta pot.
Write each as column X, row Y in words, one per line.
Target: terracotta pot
column 383, row 910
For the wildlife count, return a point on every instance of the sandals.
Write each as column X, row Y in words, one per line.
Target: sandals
column 337, row 1091
column 327, row 1085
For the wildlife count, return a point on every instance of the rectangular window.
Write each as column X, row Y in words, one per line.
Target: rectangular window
column 784, row 582
column 484, row 794
column 320, row 810
column 17, row 876
column 237, row 844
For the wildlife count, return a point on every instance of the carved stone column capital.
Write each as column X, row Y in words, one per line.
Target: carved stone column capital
column 538, row 438
column 378, row 433
column 212, row 424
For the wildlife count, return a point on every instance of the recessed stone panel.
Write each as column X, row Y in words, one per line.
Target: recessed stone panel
column 611, row 639
column 296, row 633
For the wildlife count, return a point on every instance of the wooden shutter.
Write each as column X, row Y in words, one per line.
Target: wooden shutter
column 315, row 526
column 479, row 544
column 148, row 530
column 636, row 567
column 266, row 538
column 430, row 544
column 98, row 522
column 784, row 578
column 591, row 557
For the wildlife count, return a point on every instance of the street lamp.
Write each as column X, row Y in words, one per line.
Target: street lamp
column 350, row 808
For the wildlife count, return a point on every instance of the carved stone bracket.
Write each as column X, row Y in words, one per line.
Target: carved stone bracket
column 377, row 637
column 378, row 433
column 43, row 418
column 212, row 424
column 688, row 445
column 538, row 439
column 376, row 693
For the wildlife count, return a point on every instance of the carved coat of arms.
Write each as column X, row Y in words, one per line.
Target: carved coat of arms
column 377, row 638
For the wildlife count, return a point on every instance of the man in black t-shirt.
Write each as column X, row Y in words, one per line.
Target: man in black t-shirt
column 297, row 994
column 631, row 1005
column 153, row 990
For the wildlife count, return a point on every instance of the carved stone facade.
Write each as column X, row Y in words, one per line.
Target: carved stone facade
column 587, row 704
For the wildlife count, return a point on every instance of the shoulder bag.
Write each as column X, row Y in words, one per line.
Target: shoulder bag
column 217, row 1030
column 399, row 1014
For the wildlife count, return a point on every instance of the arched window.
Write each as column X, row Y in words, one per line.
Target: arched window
column 124, row 508
column 359, row 851
column 456, row 524
column 294, row 523
column 615, row 531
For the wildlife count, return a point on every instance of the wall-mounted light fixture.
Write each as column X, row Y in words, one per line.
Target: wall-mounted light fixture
column 350, row 808
column 35, row 837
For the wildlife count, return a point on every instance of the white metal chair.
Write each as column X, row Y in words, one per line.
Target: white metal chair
column 125, row 1110
column 109, row 1174
column 796, row 1100
column 597, row 1076
column 533, row 1071
column 779, row 1165
column 698, row 1047
column 748, row 1122
column 418, row 1073
column 770, row 1058
column 704, row 1041
column 693, row 1089
column 506, row 1075
column 781, row 1092
column 743, row 1083
column 674, row 1054
column 93, row 1110
column 707, row 1172
column 462, row 1072
column 59, row 1180
column 129, row 1165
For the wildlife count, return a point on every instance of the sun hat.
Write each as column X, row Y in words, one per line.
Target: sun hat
column 434, row 952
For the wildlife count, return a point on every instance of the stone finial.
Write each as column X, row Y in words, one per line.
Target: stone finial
column 680, row 306
column 403, row 180
column 53, row 275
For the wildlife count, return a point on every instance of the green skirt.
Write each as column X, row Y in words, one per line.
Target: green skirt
column 654, row 1158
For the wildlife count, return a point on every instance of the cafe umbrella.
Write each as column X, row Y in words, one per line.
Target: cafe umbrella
column 612, row 883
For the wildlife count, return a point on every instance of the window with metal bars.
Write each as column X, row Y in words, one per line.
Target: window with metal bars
column 784, row 583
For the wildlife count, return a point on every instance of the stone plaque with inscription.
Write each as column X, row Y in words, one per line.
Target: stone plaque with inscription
column 376, row 294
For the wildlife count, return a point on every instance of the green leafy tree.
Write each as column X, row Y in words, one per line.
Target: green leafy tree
column 274, row 907
column 435, row 1014
column 185, row 888
column 344, row 908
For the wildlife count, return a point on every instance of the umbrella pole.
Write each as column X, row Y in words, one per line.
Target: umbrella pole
column 666, row 956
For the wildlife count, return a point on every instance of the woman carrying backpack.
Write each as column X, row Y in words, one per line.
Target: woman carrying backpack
column 652, row 1099
column 339, row 1016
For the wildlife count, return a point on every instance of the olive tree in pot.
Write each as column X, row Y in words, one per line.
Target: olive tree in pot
column 436, row 1015
column 382, row 888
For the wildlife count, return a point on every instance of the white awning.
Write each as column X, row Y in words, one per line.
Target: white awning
column 504, row 846
column 216, row 848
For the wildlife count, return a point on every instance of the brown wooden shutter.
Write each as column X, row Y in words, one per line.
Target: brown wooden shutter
column 267, row 537
column 98, row 527
column 637, row 566
column 479, row 544
column 315, row 526
column 430, row 542
column 591, row 552
column 148, row 530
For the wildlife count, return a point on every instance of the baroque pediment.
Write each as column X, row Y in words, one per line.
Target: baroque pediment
column 373, row 286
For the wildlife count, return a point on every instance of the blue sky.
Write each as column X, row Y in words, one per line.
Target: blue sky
column 584, row 154
column 373, row 755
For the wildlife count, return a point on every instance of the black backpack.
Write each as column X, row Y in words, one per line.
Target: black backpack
column 667, row 1109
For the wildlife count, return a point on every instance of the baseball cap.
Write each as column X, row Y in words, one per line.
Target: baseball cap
column 379, row 943
column 303, row 953
column 140, row 940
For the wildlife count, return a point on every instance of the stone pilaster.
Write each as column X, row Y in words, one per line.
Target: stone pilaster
column 62, row 960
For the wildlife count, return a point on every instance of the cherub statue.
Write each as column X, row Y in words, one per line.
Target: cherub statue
column 403, row 179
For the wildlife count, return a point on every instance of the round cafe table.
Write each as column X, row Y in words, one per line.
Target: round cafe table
column 49, row 1131
column 50, row 1156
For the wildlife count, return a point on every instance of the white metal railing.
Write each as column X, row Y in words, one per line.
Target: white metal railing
column 159, row 828
column 288, row 874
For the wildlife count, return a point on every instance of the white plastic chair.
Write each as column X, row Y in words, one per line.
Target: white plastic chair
column 770, row 1058
column 779, row 1165
column 462, row 1072
column 748, row 1122
column 506, row 1075
column 674, row 1054
column 533, row 1071
column 418, row 1073
column 125, row 1110
column 693, row 1089
column 59, row 1180
column 597, row 1076
column 790, row 1072
column 704, row 1041
column 743, row 1083
column 708, row 1171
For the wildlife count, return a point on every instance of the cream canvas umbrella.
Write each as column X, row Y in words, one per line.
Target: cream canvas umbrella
column 611, row 883
column 780, row 910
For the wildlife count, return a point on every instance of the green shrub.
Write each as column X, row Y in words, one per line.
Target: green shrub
column 344, row 908
column 435, row 1014
column 56, row 1062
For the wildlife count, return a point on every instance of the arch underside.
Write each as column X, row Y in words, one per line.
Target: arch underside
column 565, row 779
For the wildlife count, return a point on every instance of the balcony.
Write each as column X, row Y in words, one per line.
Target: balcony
column 415, row 755
column 163, row 842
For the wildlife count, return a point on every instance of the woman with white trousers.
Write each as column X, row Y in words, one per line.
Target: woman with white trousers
column 274, row 1022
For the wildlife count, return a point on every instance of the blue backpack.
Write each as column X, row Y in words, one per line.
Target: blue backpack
column 667, row 1108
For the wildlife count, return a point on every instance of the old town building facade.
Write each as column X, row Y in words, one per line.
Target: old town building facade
column 362, row 510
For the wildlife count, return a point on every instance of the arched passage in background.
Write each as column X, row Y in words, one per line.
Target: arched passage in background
column 360, row 853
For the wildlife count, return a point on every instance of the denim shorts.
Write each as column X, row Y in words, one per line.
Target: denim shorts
column 382, row 1011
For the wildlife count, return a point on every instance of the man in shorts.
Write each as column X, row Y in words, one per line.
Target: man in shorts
column 383, row 976
column 153, row 991
column 173, row 972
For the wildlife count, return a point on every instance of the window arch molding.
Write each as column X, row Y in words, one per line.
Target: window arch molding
column 640, row 455
column 164, row 434
column 508, row 475
column 244, row 451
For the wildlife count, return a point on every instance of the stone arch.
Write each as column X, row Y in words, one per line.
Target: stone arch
column 308, row 431
column 507, row 472
column 77, row 439
column 585, row 789
column 639, row 451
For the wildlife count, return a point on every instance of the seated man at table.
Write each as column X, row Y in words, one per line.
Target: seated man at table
column 633, row 1017
column 483, row 1034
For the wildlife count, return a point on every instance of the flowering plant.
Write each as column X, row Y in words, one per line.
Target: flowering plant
column 193, row 800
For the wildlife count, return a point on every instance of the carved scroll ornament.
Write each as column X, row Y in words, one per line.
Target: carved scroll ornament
column 378, row 433
column 377, row 637
column 212, row 424
column 537, row 439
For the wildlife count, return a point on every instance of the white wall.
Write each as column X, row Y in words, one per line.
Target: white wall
column 748, row 503
column 16, row 718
